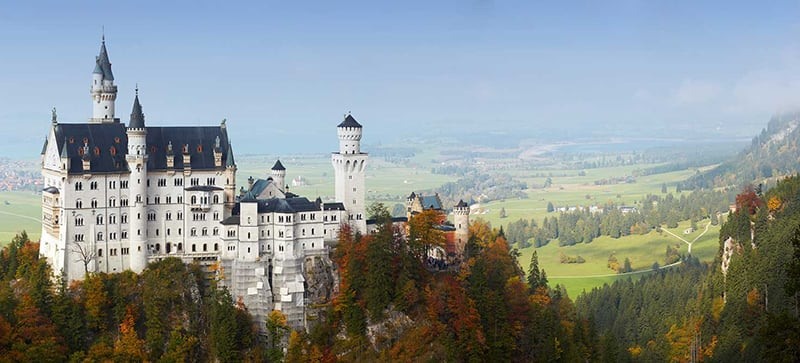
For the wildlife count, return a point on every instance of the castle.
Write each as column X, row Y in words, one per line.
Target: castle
column 116, row 197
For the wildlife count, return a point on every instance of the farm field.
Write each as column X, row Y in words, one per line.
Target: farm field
column 642, row 250
column 19, row 211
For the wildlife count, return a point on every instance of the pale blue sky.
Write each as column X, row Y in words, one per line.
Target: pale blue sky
column 283, row 74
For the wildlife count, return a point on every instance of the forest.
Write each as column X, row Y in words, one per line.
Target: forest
column 393, row 305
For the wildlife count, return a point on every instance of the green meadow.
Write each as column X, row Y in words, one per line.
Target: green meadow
column 20, row 211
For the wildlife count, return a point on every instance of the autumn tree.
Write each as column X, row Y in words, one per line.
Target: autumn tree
column 423, row 232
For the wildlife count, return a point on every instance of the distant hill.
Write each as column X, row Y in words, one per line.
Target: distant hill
column 772, row 153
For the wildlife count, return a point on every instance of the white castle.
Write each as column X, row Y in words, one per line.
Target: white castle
column 117, row 197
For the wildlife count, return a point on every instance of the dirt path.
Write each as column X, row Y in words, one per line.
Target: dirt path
column 22, row 216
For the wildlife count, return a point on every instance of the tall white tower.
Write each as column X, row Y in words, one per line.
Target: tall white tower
column 461, row 221
column 349, row 164
column 103, row 92
column 137, row 185
column 279, row 175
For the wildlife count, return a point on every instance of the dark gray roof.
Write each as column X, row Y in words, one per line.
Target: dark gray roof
column 200, row 141
column 461, row 204
column 249, row 197
column 278, row 166
column 137, row 116
column 103, row 65
column 107, row 144
column 333, row 206
column 431, row 202
column 203, row 188
column 280, row 205
column 234, row 219
column 349, row 121
column 44, row 147
column 412, row 196
column 51, row 190
column 229, row 162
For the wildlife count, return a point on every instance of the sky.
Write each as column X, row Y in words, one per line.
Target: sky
column 284, row 73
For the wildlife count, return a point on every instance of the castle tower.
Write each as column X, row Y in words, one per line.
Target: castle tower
column 461, row 221
column 349, row 165
column 278, row 173
column 137, row 162
column 103, row 92
column 230, row 181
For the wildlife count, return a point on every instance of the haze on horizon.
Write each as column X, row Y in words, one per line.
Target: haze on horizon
column 283, row 73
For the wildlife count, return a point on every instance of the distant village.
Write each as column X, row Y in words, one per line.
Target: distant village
column 18, row 175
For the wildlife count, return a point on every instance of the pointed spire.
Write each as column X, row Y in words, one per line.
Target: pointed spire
column 278, row 166
column 349, row 121
column 103, row 64
column 64, row 153
column 137, row 117
column 229, row 162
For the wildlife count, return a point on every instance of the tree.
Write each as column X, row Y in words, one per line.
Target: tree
column 276, row 332
column 83, row 254
column 664, row 188
column 128, row 347
column 503, row 212
column 550, row 207
column 536, row 277
column 423, row 233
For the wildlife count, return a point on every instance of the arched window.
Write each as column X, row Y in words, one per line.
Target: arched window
column 99, row 236
column 99, row 219
column 216, row 247
column 194, row 199
column 216, row 199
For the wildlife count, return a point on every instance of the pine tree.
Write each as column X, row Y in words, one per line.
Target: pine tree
column 534, row 275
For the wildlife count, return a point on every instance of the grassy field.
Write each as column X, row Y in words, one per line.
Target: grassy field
column 20, row 211
column 642, row 250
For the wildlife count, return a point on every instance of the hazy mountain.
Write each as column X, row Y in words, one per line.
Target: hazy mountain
column 772, row 153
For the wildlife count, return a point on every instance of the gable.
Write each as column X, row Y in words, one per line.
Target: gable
column 52, row 160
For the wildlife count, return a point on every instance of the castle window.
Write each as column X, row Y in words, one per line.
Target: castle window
column 248, row 235
column 100, row 219
column 99, row 236
column 180, row 231
column 96, row 150
column 78, row 186
column 112, row 219
column 216, row 199
column 124, row 218
column 312, row 244
column 94, row 203
column 78, row 221
column 99, row 252
column 194, row 248
column 124, row 234
column 205, row 247
column 205, row 231
column 126, row 251
column 312, row 231
column 216, row 247
column 304, row 231
column 180, row 246
column 112, row 202
column 193, row 232
column 280, row 233
column 280, row 248
column 216, row 231
column 93, row 185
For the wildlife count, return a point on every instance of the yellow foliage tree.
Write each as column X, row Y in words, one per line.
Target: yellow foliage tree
column 774, row 204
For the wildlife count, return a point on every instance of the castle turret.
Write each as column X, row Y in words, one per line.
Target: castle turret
column 278, row 173
column 461, row 221
column 349, row 165
column 230, row 181
column 137, row 162
column 104, row 92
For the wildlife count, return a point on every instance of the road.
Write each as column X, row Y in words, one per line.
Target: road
column 21, row 216
column 685, row 241
column 643, row 271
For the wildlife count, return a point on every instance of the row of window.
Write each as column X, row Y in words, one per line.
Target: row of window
column 123, row 184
